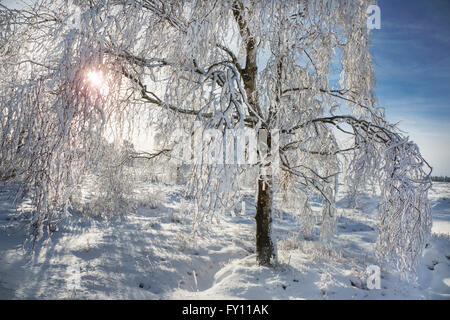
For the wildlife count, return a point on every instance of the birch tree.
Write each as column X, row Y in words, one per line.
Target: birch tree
column 299, row 72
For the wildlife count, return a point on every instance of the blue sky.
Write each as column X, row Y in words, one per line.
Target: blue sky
column 411, row 54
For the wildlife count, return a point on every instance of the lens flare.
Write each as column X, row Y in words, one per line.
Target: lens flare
column 97, row 81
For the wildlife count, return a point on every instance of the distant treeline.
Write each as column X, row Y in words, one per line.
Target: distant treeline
column 440, row 179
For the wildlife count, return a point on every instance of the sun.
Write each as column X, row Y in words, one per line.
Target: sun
column 97, row 81
column 95, row 78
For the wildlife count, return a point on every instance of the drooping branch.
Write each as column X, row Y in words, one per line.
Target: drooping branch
column 381, row 133
column 233, row 57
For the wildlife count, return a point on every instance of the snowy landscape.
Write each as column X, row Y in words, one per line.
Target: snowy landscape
column 233, row 149
column 150, row 254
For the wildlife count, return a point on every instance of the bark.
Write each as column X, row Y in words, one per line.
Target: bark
column 265, row 251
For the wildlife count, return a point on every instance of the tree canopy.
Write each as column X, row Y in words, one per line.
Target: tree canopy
column 302, row 68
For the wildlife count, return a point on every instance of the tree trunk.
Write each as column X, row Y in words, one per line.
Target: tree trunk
column 265, row 252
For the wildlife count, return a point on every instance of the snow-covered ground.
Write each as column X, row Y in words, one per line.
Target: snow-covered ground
column 151, row 254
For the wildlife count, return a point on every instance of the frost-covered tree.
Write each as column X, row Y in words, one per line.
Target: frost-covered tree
column 300, row 70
